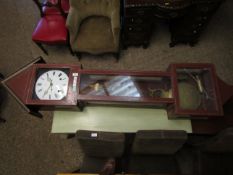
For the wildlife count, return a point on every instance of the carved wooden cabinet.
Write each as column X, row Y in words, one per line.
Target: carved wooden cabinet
column 187, row 29
column 138, row 24
column 186, row 19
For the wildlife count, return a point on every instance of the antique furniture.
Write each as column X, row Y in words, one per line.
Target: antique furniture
column 137, row 24
column 208, row 154
column 186, row 19
column 216, row 152
column 94, row 26
column 98, row 148
column 39, row 85
column 51, row 27
column 196, row 89
column 188, row 90
column 188, row 28
column 219, row 123
column 153, row 151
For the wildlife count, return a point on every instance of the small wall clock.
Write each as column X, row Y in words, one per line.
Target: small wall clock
column 41, row 86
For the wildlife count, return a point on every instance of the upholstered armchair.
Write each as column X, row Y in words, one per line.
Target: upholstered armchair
column 94, row 26
column 154, row 151
column 100, row 147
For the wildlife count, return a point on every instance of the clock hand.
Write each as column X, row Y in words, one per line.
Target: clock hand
column 51, row 83
column 47, row 90
column 49, row 79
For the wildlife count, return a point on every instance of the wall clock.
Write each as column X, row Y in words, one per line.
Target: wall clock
column 44, row 86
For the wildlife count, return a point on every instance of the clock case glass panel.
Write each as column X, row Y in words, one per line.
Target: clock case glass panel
column 196, row 90
column 125, row 88
column 41, row 71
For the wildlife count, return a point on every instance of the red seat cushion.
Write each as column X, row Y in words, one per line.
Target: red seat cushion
column 50, row 30
column 53, row 10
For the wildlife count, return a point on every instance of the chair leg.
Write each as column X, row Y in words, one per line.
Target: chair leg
column 117, row 56
column 42, row 48
column 78, row 55
column 36, row 114
column 172, row 44
column 76, row 171
column 70, row 136
column 145, row 45
column 2, row 120
column 71, row 51
column 1, row 76
column 80, row 105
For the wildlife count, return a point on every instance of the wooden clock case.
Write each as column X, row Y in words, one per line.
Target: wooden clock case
column 166, row 81
column 155, row 89
column 144, row 100
column 21, row 86
column 210, row 102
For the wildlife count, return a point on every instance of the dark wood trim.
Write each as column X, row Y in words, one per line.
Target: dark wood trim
column 215, row 125
column 218, row 101
column 127, row 73
column 4, row 82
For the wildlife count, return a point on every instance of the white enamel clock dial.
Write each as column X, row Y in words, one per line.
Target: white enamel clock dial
column 52, row 85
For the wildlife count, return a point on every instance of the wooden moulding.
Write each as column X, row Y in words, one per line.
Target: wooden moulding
column 18, row 88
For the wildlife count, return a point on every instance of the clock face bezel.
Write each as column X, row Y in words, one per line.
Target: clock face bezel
column 40, row 72
column 71, row 97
